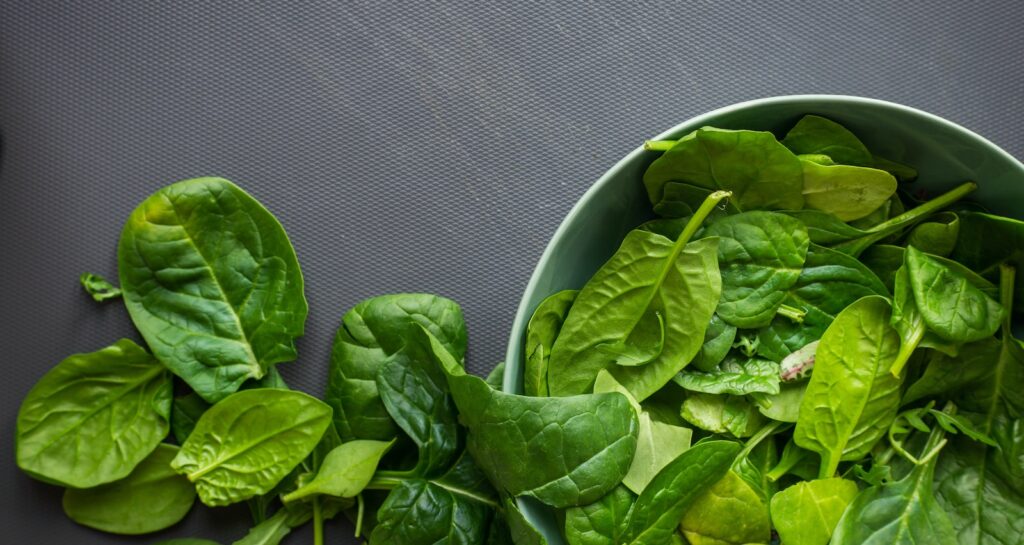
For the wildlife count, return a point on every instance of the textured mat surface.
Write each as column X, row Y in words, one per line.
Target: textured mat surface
column 414, row 146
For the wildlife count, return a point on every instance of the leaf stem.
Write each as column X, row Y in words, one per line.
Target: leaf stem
column 795, row 315
column 379, row 482
column 907, row 348
column 761, row 435
column 659, row 145
column 829, row 465
column 360, row 512
column 318, row 522
column 925, row 209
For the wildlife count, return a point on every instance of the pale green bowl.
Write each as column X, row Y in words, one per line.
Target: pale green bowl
column 944, row 154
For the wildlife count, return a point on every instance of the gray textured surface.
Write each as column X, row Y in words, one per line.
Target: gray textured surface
column 427, row 146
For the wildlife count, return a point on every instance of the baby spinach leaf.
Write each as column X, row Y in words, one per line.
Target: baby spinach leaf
column 674, row 490
column 370, row 333
column 681, row 200
column 730, row 512
column 415, row 392
column 657, row 445
column 760, row 255
column 909, row 323
column 151, row 498
column 952, row 307
column 91, row 419
column 807, row 513
column 903, row 512
column 753, row 467
column 722, row 414
column 760, row 172
column 269, row 532
column 851, row 398
column 541, row 333
column 829, row 282
column 936, row 236
column 99, row 288
column 212, row 283
column 785, row 405
column 820, row 135
column 345, row 471
column 652, row 292
column 734, row 376
column 185, row 412
column 951, row 377
column 562, row 451
column 496, row 377
column 244, row 445
column 440, row 515
column 602, row 522
column 718, row 339
column 847, row 192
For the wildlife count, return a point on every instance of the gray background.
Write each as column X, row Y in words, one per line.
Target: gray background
column 428, row 146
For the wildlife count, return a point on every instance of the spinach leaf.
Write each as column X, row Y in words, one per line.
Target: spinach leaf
column 952, row 307
column 733, row 376
column 760, row 255
column 415, row 392
column 847, row 192
column 829, row 282
column 718, row 339
column 652, row 293
column 562, row 451
column 65, row 424
column 814, row 134
column 673, row 491
column 496, row 377
column 541, row 333
column 269, row 532
column 657, row 445
column 985, row 240
column 151, row 498
column 903, row 512
column 212, row 283
column 602, row 522
column 520, row 530
column 185, row 412
column 903, row 172
column 370, row 333
column 247, row 443
column 345, row 471
column 722, row 414
column 785, row 405
column 909, row 323
column 730, row 512
column 807, row 513
column 441, row 516
column 851, row 398
column 936, row 236
column 753, row 467
column 760, row 172
column 99, row 288
column 679, row 201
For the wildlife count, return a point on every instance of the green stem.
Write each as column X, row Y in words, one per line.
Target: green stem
column 761, row 435
column 907, row 347
column 925, row 209
column 829, row 465
column 318, row 522
column 795, row 315
column 659, row 145
column 360, row 511
column 379, row 482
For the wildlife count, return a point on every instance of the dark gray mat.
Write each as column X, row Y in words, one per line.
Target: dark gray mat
column 428, row 146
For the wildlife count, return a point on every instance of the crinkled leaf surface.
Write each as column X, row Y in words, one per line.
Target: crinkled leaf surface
column 951, row 306
column 718, row 340
column 722, row 414
column 151, row 498
column 421, row 512
column 734, row 376
column 602, row 522
column 212, row 283
column 370, row 333
column 91, row 419
column 244, row 445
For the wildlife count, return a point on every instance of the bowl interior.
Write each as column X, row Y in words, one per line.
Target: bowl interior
column 944, row 154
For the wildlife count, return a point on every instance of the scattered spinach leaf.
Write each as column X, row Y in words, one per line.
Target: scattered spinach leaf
column 99, row 288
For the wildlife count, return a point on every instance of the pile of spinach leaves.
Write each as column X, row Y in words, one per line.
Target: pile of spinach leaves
column 789, row 298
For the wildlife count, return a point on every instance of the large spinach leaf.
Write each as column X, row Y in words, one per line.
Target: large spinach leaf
column 563, row 451
column 151, row 498
column 829, row 282
column 212, row 283
column 602, row 522
column 761, row 173
column 847, row 192
column 648, row 305
column 807, row 513
column 91, row 419
column 729, row 513
column 760, row 255
column 851, row 398
column 541, row 333
column 674, row 490
column 370, row 333
column 441, row 515
column 247, row 443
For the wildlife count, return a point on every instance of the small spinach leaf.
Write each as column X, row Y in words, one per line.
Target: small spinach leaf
column 937, row 236
column 345, row 471
column 951, row 306
column 730, row 512
column 541, row 333
column 602, row 522
column 66, row 424
column 657, row 445
column 807, row 513
column 847, row 192
column 733, row 376
column 718, row 340
column 99, row 288
column 814, row 134
column 440, row 515
column 722, row 414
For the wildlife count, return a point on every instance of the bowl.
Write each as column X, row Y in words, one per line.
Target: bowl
column 944, row 153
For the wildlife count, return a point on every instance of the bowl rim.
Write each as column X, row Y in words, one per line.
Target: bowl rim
column 520, row 319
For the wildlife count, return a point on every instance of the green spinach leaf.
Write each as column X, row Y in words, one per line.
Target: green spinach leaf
column 936, row 236
column 951, row 306
column 657, row 445
column 440, row 514
column 370, row 333
column 602, row 522
column 730, row 512
column 722, row 414
column 151, row 498
column 212, row 283
column 185, row 412
column 345, row 472
column 244, row 445
column 807, row 513
column 541, row 333
column 99, row 288
column 847, row 192
column 718, row 340
column 91, row 419
column 814, row 134
column 985, row 240
column 734, row 376
column 851, row 398
column 760, row 255
column 785, row 405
